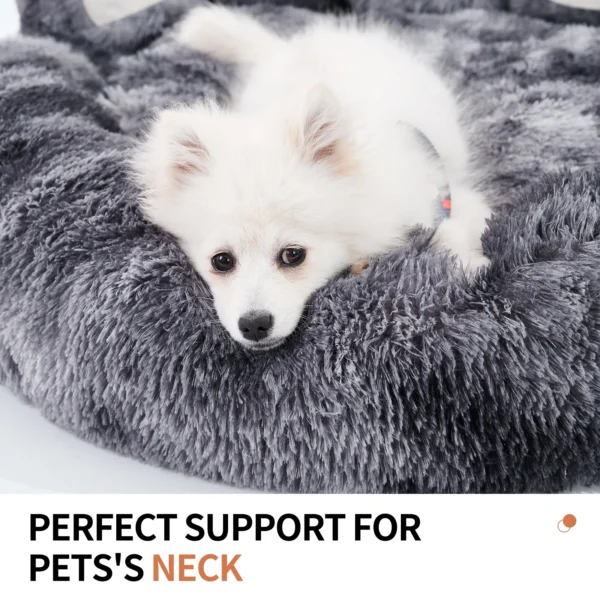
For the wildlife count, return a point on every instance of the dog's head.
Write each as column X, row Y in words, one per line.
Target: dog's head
column 258, row 203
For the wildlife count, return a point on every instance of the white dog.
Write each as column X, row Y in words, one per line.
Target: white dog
column 318, row 165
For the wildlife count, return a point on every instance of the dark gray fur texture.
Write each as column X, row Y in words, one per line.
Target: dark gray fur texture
column 407, row 379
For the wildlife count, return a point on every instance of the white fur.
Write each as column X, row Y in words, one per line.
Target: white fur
column 317, row 151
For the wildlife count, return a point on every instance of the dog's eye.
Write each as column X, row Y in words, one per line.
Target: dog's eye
column 223, row 262
column 292, row 257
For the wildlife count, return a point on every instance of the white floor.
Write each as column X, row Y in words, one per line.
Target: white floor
column 36, row 456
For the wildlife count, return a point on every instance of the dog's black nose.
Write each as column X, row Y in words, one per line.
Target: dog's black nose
column 255, row 326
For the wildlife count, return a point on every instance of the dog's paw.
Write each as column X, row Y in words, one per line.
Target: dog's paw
column 358, row 268
column 464, row 242
column 473, row 261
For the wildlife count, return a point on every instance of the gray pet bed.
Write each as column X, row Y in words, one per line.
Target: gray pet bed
column 407, row 379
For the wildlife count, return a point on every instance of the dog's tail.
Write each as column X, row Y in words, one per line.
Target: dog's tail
column 227, row 35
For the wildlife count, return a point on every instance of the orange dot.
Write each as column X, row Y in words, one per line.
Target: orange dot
column 569, row 520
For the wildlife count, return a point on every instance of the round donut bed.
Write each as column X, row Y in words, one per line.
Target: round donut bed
column 408, row 378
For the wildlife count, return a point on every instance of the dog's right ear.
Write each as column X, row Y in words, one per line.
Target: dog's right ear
column 321, row 134
column 172, row 154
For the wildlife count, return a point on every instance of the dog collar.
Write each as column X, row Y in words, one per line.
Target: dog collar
column 443, row 197
column 443, row 206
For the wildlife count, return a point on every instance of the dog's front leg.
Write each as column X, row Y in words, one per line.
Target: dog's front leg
column 461, row 232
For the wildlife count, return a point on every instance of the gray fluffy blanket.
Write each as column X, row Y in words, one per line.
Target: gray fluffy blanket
column 407, row 379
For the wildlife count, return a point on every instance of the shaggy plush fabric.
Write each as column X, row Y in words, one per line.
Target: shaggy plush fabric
column 407, row 379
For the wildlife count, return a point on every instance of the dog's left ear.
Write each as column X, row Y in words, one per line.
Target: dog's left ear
column 323, row 136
